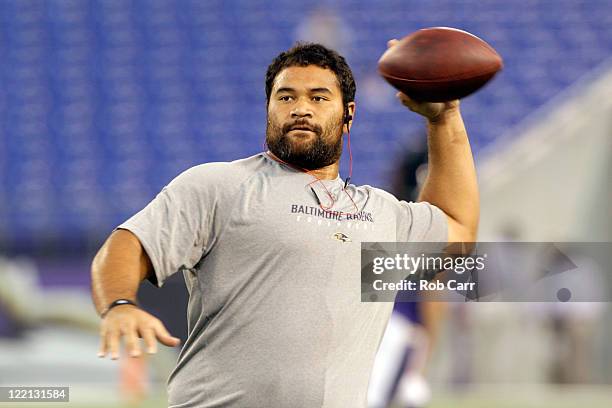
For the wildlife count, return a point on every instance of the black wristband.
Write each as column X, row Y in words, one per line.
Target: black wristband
column 118, row 302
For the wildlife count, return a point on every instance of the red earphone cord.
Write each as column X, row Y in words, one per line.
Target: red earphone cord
column 333, row 201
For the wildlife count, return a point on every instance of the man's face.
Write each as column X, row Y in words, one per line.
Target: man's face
column 305, row 117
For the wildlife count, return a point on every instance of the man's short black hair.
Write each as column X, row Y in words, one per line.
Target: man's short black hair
column 304, row 54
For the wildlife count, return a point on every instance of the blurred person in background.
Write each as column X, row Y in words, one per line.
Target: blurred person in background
column 324, row 26
column 269, row 247
column 399, row 369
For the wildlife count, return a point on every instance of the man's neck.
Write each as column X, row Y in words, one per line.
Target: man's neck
column 324, row 173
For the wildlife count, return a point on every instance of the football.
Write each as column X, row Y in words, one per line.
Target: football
column 439, row 64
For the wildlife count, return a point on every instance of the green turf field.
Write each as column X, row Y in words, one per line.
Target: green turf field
column 493, row 396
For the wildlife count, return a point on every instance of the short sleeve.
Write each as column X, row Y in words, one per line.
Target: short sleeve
column 421, row 222
column 173, row 228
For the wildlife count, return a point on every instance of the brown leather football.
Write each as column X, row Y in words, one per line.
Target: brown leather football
column 439, row 64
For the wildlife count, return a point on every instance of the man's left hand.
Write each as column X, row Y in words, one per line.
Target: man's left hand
column 431, row 110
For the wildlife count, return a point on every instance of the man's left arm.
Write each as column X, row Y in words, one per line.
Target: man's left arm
column 451, row 183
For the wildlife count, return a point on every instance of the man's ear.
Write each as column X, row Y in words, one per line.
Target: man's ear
column 349, row 116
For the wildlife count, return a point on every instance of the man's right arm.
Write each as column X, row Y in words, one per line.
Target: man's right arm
column 116, row 272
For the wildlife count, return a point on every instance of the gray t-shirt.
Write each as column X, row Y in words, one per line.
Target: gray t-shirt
column 274, row 316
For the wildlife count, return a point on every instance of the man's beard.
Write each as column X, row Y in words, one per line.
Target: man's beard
column 324, row 149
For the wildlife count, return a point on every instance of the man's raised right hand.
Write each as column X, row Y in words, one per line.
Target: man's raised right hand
column 132, row 323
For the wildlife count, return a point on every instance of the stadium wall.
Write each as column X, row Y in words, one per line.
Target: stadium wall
column 549, row 179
